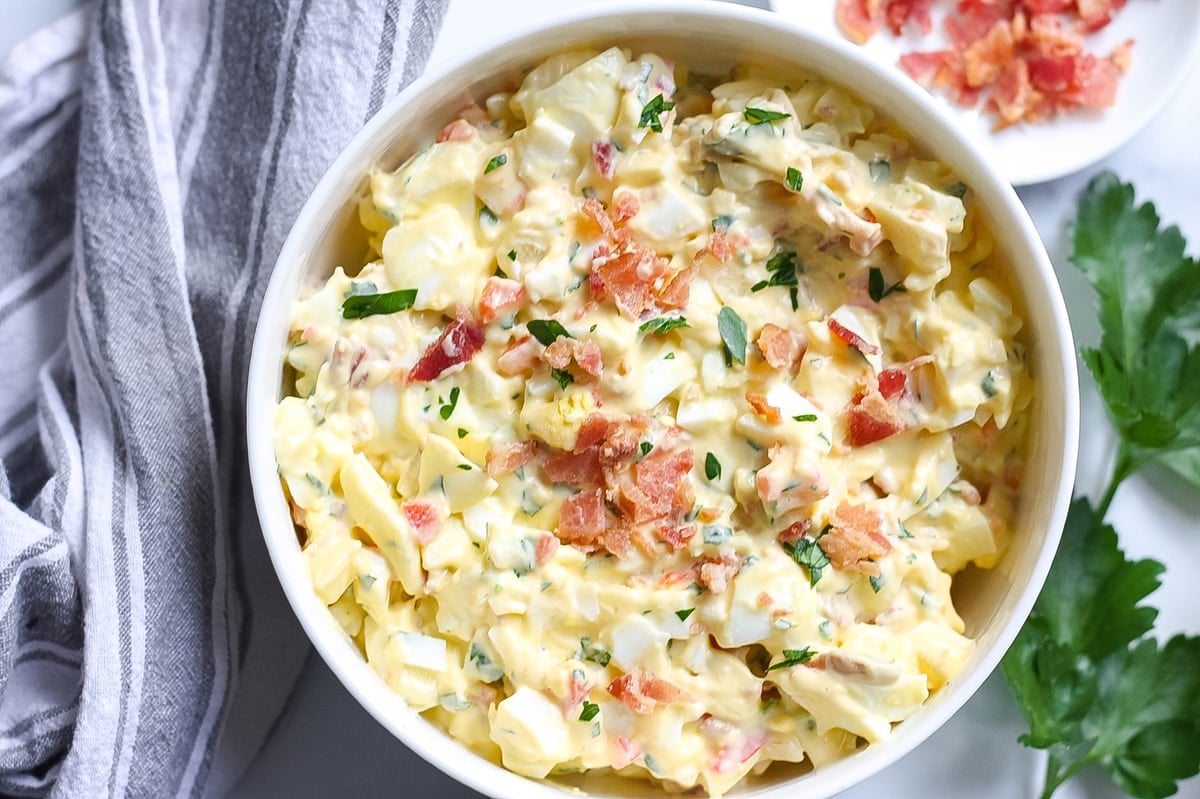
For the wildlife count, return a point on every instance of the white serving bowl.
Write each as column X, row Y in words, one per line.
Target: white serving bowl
column 713, row 36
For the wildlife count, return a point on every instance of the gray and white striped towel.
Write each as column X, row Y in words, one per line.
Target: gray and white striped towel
column 153, row 154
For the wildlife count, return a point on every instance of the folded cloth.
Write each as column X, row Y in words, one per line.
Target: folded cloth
column 153, row 154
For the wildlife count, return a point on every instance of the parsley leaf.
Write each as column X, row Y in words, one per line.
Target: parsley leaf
column 683, row 614
column 547, row 331
column 496, row 162
column 357, row 306
column 448, row 407
column 712, row 467
column 663, row 324
column 794, row 180
column 759, row 116
column 651, row 114
column 807, row 552
column 733, row 335
column 593, row 652
column 1093, row 687
column 563, row 377
column 589, row 712
column 1147, row 366
column 877, row 288
column 793, row 657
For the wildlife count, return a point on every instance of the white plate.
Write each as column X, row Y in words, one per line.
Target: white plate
column 1166, row 36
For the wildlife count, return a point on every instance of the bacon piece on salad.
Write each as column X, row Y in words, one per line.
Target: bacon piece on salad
column 852, row 339
column 507, row 458
column 780, row 347
column 425, row 518
column 659, row 488
column 855, row 540
column 500, row 298
column 870, row 418
column 716, row 572
column 587, row 354
column 763, row 408
column 641, row 691
column 457, row 344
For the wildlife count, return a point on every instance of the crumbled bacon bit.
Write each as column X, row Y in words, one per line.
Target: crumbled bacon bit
column 641, row 691
column 605, row 157
column 766, row 410
column 500, row 297
column 457, row 344
column 717, row 571
column 855, row 540
column 587, row 354
column 780, row 347
column 519, row 358
column 676, row 537
column 1026, row 59
column 425, row 519
column 659, row 488
column 547, row 545
column 852, row 339
column 458, row 130
column 579, row 468
column 892, row 382
column 795, row 531
column 507, row 458
column 872, row 418
column 718, row 245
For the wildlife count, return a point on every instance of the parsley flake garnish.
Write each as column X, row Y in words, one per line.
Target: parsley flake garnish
column 958, row 190
column 794, row 180
column 712, row 467
column 651, row 113
column 512, row 255
column 496, row 162
column 663, row 324
column 645, row 448
column 593, row 652
column 683, row 614
column 878, row 289
column 793, row 657
column 807, row 552
column 358, row 306
column 448, row 407
column 563, row 377
column 546, row 331
column 733, row 335
column 462, row 432
column 590, row 710
column 759, row 116
column 805, row 417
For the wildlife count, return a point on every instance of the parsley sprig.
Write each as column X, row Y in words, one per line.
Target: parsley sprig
column 781, row 271
column 1095, row 686
column 360, row 306
column 652, row 114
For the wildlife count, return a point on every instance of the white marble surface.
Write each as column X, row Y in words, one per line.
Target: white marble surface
column 325, row 745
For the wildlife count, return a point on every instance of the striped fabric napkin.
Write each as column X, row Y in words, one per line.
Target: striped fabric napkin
column 153, row 154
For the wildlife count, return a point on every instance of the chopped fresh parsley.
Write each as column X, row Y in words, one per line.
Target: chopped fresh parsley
column 466, row 467
column 958, row 190
column 500, row 272
column 716, row 533
column 487, row 216
column 645, row 448
column 807, row 552
column 683, row 614
column 448, row 407
column 733, row 335
column 512, row 255
column 877, row 288
column 781, row 271
column 876, row 583
column 496, row 162
column 793, row 657
column 358, row 306
column 722, row 222
column 589, row 712
column 462, row 432
column 651, row 114
column 794, row 180
column 759, row 116
column 663, row 324
column 805, row 417
column 547, row 331
column 712, row 467
column 563, row 377
column 593, row 652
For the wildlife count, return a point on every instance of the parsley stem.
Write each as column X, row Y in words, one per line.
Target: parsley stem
column 1125, row 465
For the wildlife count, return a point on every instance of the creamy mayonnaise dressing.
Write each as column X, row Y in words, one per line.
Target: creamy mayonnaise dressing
column 664, row 459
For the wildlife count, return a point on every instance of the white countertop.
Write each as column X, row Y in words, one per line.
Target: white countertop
column 325, row 745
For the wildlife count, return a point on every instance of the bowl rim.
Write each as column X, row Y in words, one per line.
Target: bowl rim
column 450, row 756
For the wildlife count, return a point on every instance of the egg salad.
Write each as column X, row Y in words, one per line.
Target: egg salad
column 652, row 436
